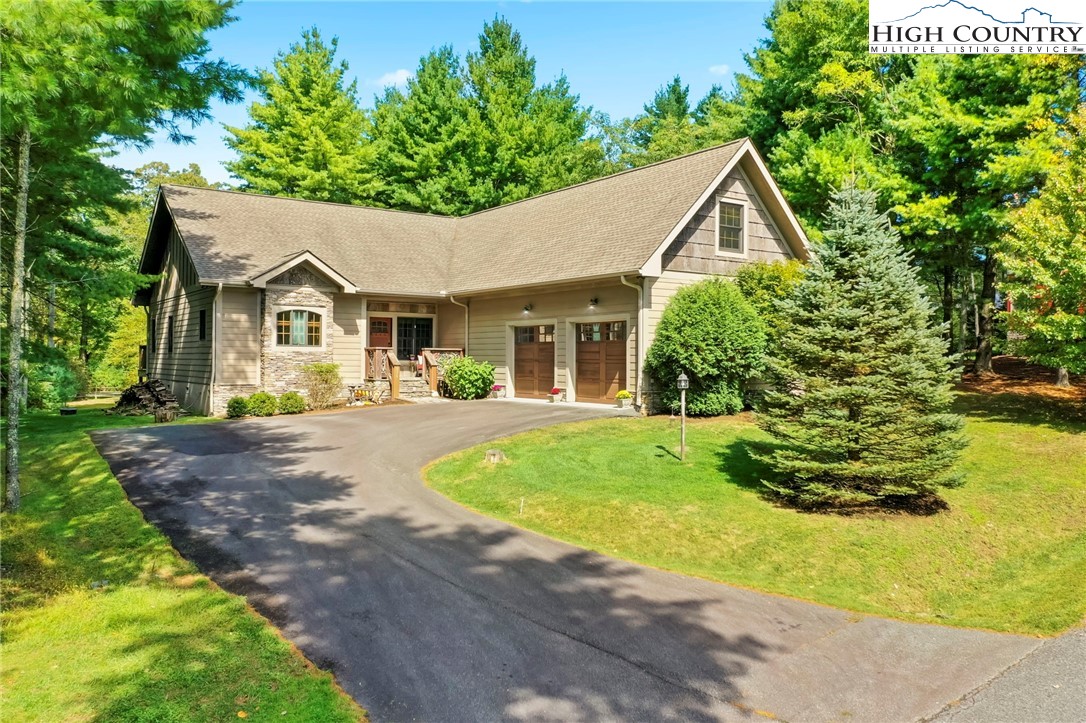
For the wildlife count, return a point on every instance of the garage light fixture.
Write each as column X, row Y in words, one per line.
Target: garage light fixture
column 593, row 301
column 527, row 308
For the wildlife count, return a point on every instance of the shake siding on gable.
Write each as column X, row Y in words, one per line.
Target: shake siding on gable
column 187, row 370
column 694, row 250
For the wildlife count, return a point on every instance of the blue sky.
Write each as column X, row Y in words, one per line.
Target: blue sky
column 615, row 54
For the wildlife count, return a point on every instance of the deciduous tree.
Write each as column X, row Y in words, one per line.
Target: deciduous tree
column 1044, row 252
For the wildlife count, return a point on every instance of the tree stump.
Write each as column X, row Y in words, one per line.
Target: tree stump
column 495, row 455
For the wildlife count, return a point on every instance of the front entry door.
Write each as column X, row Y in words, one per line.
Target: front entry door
column 601, row 360
column 380, row 331
column 533, row 361
column 413, row 334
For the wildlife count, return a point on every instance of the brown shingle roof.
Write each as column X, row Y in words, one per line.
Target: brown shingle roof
column 609, row 225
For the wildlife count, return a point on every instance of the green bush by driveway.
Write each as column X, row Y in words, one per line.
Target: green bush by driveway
column 1009, row 554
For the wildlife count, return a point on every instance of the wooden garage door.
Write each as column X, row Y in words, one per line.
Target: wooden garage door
column 533, row 361
column 601, row 360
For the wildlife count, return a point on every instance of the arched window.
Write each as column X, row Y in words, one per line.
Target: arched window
column 298, row 328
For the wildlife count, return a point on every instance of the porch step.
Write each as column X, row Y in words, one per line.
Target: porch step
column 413, row 388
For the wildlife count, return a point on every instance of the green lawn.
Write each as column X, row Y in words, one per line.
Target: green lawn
column 159, row 642
column 1010, row 554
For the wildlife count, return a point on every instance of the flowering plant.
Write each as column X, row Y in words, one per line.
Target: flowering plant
column 556, row 390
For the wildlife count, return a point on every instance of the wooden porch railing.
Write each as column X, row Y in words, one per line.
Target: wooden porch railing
column 432, row 361
column 382, row 363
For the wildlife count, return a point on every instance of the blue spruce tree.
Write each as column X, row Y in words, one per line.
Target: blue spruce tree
column 861, row 384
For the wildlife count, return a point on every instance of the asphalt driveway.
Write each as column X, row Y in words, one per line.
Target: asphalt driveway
column 427, row 611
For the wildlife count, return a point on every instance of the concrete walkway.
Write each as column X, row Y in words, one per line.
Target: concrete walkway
column 427, row 611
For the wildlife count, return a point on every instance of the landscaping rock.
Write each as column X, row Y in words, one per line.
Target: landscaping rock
column 495, row 455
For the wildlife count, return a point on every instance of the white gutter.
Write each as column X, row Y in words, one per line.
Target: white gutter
column 467, row 319
column 640, row 335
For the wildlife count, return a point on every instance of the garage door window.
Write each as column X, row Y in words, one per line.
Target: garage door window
column 532, row 334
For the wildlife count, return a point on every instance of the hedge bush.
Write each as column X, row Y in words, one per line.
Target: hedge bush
column 323, row 384
column 466, row 378
column 765, row 284
column 237, row 407
column 263, row 404
column 291, row 403
column 714, row 335
column 52, row 384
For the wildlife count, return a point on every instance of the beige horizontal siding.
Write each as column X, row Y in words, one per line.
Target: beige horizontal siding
column 450, row 326
column 239, row 347
column 349, row 335
column 492, row 317
column 187, row 369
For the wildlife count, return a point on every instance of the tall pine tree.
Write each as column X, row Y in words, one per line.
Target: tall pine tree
column 307, row 138
column 862, row 389
column 66, row 84
column 425, row 139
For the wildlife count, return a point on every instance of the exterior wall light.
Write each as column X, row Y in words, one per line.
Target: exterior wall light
column 593, row 301
column 527, row 308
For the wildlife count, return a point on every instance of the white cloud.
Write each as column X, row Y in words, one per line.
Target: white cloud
column 396, row 77
column 719, row 69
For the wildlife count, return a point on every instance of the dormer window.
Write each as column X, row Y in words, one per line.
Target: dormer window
column 298, row 327
column 731, row 228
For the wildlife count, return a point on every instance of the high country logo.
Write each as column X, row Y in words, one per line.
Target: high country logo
column 954, row 26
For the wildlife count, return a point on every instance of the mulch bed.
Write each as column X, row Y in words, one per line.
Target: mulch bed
column 1017, row 376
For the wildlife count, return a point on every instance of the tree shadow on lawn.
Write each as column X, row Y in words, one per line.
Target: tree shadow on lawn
column 1060, row 414
column 736, row 463
column 427, row 619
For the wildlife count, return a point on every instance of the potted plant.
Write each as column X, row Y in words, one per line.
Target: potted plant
column 555, row 395
column 624, row 399
column 497, row 391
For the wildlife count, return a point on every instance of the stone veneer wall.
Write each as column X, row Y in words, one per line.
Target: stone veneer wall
column 224, row 392
column 281, row 367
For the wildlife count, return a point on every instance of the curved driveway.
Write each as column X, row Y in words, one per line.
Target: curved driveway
column 427, row 611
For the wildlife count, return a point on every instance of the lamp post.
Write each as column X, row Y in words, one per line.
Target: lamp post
column 682, row 385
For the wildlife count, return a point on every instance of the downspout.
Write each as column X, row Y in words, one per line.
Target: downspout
column 466, row 320
column 216, row 323
column 640, row 336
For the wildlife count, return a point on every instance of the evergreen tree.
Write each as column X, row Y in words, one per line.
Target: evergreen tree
column 56, row 112
column 1044, row 253
column 529, row 139
column 425, row 139
column 669, row 128
column 861, row 385
column 307, row 138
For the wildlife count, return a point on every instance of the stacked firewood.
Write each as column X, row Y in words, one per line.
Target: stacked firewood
column 149, row 397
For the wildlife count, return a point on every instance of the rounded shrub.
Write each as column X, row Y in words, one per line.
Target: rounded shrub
column 291, row 403
column 711, row 332
column 263, row 404
column 237, row 407
column 466, row 378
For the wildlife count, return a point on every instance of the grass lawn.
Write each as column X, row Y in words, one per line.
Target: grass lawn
column 159, row 641
column 1010, row 554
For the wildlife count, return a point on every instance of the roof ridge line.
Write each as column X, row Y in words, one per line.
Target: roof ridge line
column 248, row 194
column 607, row 177
column 474, row 213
